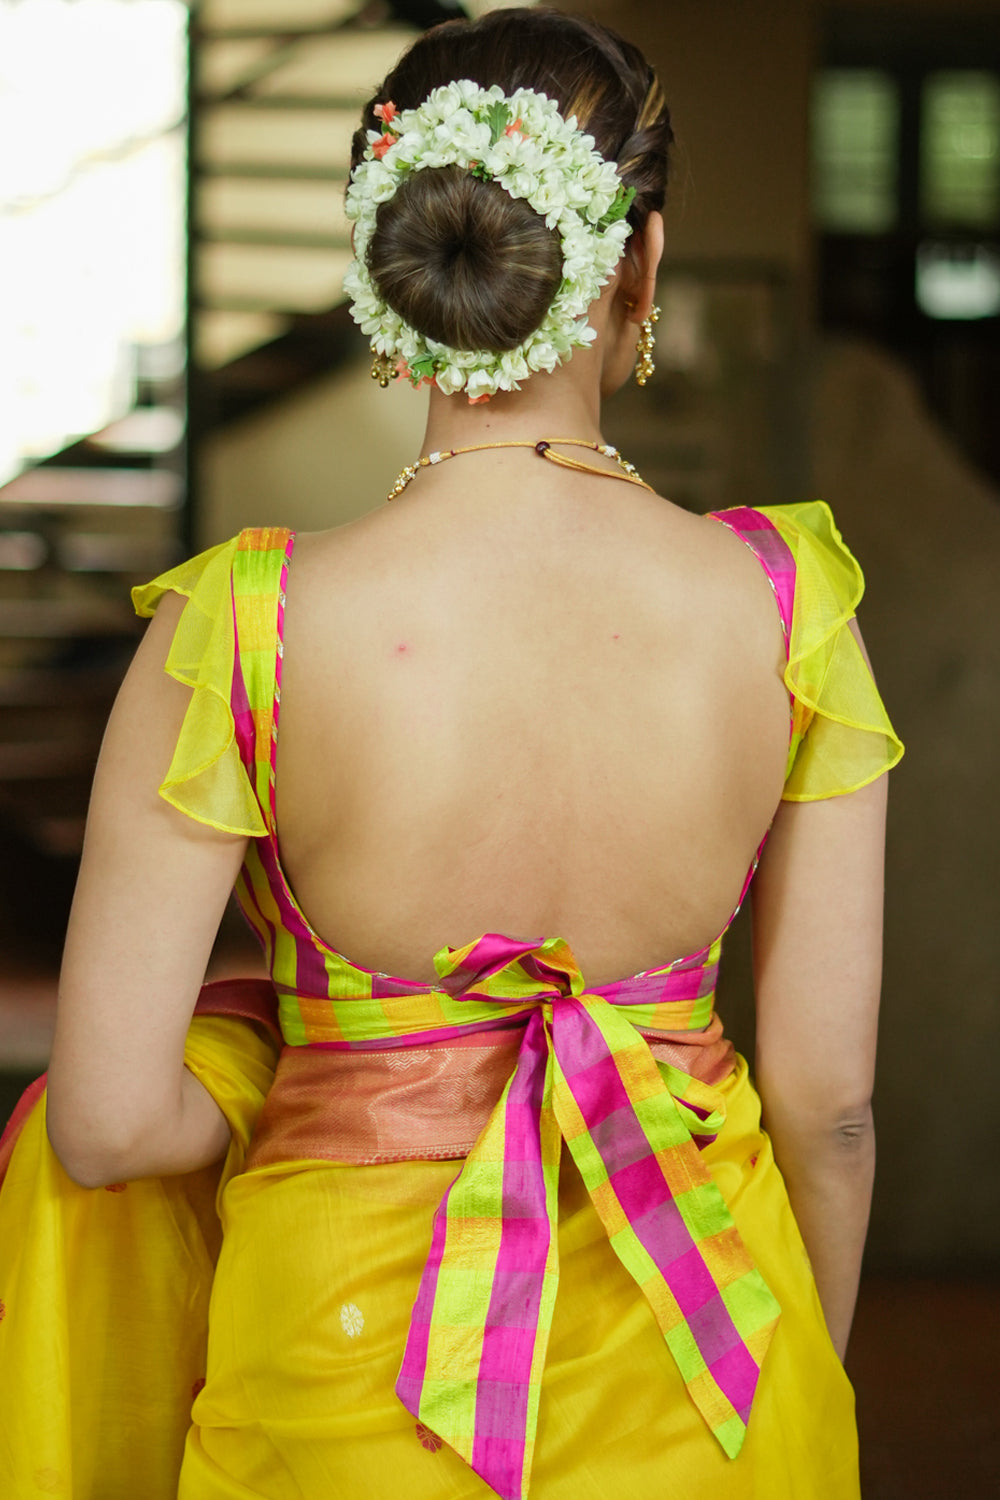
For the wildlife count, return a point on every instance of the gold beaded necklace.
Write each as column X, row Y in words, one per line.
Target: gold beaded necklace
column 544, row 449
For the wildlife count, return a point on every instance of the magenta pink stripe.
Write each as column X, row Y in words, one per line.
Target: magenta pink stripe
column 773, row 553
column 641, row 989
column 501, row 1458
column 253, row 912
column 18, row 1120
column 716, row 1337
column 279, row 641
column 409, row 1383
column 691, row 1282
column 311, row 974
column 775, row 557
column 511, row 1330
column 492, row 953
column 737, row 1375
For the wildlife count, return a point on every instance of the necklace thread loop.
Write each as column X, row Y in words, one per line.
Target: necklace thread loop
column 544, row 448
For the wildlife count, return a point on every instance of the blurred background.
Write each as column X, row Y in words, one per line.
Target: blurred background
column 177, row 362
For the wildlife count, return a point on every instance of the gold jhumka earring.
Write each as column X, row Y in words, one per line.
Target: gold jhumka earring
column 644, row 365
column 383, row 368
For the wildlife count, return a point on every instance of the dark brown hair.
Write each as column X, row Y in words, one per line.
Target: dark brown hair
column 458, row 258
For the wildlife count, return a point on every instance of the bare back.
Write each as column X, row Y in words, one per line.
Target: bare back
column 528, row 702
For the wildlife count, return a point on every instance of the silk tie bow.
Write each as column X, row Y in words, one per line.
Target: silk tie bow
column 476, row 1348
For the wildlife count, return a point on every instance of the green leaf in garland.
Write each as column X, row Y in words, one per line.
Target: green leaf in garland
column 422, row 368
column 498, row 117
column 619, row 208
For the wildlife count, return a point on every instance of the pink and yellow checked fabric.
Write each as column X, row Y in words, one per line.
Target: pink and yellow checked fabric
column 473, row 1360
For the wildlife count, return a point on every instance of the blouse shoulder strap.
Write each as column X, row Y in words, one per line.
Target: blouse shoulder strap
column 260, row 576
column 765, row 541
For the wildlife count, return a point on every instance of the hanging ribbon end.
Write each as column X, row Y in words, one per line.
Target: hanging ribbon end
column 504, row 1463
column 731, row 1434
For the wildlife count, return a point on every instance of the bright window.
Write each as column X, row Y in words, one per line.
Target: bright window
column 92, row 204
column 855, row 124
column 960, row 150
column 958, row 281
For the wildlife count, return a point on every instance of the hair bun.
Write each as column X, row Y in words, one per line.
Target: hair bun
column 462, row 262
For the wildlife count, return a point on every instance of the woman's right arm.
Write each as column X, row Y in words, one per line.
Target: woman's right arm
column 817, row 924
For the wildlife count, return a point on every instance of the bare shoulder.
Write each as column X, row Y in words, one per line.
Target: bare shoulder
column 705, row 542
column 354, row 551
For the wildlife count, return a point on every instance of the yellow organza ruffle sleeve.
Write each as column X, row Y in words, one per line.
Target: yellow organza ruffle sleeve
column 842, row 737
column 206, row 778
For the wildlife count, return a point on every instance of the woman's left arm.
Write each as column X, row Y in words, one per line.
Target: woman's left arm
column 152, row 889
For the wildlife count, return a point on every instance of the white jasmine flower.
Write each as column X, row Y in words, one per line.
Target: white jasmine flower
column 480, row 383
column 549, row 196
column 446, row 99
column 470, row 138
column 513, row 365
column 471, row 92
column 382, row 184
column 465, row 359
column 543, row 356
column 449, row 379
column 521, row 184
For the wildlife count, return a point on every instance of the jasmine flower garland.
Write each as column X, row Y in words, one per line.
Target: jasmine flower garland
column 522, row 142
